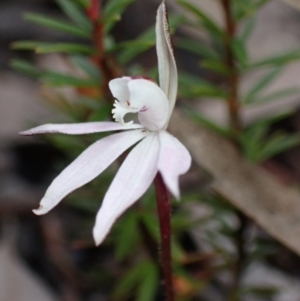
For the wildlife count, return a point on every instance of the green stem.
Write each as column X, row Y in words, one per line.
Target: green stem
column 164, row 215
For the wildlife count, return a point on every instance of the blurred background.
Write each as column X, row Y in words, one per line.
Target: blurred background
column 53, row 257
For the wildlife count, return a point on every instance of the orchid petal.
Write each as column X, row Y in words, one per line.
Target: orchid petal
column 166, row 61
column 79, row 128
column 119, row 88
column 87, row 166
column 132, row 180
column 174, row 160
column 120, row 110
column 151, row 103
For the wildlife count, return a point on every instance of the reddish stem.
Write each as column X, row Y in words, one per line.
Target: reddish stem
column 93, row 11
column 103, row 61
column 233, row 101
column 164, row 215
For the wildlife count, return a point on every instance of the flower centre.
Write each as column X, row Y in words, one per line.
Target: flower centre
column 140, row 96
column 121, row 109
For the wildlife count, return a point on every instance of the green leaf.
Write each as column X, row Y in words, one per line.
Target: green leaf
column 87, row 66
column 252, row 138
column 273, row 96
column 112, row 12
column 128, row 282
column 151, row 223
column 258, row 147
column 277, row 60
column 245, row 9
column 278, row 143
column 60, row 80
column 47, row 47
column 203, row 18
column 25, row 67
column 193, row 87
column 262, row 83
column 215, row 66
column 197, row 48
column 247, row 29
column 133, row 278
column 75, row 13
column 84, row 3
column 57, row 25
column 130, row 49
column 268, row 120
column 149, row 285
column 177, row 250
column 129, row 227
column 240, row 51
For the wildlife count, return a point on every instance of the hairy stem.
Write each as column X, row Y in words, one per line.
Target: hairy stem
column 164, row 215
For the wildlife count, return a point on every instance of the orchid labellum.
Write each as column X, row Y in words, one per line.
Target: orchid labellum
column 156, row 150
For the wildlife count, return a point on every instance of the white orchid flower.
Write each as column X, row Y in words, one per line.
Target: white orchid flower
column 156, row 151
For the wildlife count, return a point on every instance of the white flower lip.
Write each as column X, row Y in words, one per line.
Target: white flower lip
column 143, row 97
column 156, row 150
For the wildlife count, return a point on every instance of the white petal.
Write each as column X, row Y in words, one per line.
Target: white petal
column 132, row 180
column 119, row 88
column 87, row 166
column 151, row 102
column 166, row 61
column 174, row 160
column 79, row 128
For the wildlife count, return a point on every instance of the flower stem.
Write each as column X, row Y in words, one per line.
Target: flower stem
column 164, row 215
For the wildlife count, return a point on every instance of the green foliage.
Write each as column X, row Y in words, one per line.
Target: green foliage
column 73, row 9
column 129, row 228
column 192, row 87
column 112, row 12
column 26, row 68
column 259, row 145
column 261, row 84
column 203, row 19
column 87, row 66
column 277, row 60
column 61, row 26
column 138, row 276
column 54, row 79
column 130, row 49
column 144, row 276
column 247, row 9
column 47, row 47
column 198, row 48
column 240, row 52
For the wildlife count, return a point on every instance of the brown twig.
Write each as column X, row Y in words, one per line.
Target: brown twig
column 236, row 129
column 233, row 79
column 105, row 63
column 164, row 215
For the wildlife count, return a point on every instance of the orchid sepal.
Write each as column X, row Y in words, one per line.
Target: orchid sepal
column 168, row 78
